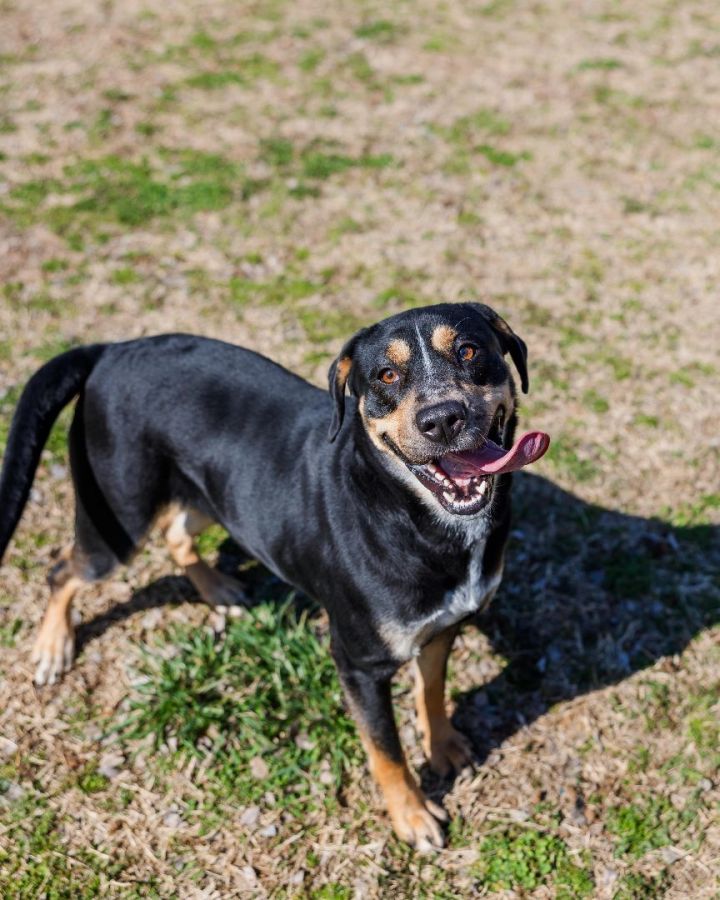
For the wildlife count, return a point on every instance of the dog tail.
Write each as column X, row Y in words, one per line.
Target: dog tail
column 50, row 389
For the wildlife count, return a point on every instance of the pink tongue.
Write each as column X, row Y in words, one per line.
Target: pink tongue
column 493, row 460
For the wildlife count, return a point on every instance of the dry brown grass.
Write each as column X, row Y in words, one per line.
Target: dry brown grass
column 560, row 161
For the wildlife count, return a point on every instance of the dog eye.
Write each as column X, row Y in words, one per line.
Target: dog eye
column 466, row 352
column 388, row 376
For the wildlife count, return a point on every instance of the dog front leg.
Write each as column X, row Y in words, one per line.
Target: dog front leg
column 414, row 817
column 444, row 746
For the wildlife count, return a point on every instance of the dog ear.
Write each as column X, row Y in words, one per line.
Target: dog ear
column 338, row 378
column 509, row 341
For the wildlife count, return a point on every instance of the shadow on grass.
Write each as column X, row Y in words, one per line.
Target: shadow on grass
column 590, row 596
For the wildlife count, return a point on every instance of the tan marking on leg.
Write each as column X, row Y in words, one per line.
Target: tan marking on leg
column 445, row 747
column 54, row 646
column 398, row 352
column 413, row 816
column 443, row 338
column 215, row 588
column 180, row 541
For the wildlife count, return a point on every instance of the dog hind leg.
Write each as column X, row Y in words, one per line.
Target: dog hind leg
column 218, row 590
column 54, row 647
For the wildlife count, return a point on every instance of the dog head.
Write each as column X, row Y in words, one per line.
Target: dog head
column 436, row 398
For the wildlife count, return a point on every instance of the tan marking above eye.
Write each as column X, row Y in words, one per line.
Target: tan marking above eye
column 398, row 352
column 442, row 339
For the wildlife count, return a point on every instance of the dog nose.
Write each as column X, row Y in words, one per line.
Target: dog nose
column 442, row 422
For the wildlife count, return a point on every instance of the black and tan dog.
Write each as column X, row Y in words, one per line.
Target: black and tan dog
column 392, row 509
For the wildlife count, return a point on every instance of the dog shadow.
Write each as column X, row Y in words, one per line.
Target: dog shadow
column 590, row 595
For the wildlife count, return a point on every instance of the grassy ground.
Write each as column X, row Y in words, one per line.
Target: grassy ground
column 277, row 174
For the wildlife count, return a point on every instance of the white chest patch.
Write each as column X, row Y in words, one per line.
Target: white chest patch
column 406, row 639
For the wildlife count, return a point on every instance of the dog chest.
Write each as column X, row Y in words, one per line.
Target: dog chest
column 406, row 639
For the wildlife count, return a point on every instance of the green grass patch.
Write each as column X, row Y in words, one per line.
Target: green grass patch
column 245, row 71
column 502, row 157
column 564, row 456
column 703, row 511
column 320, row 165
column 640, row 827
column 34, row 861
column 648, row 824
column 704, row 732
column 147, row 129
column 496, row 8
column 647, row 420
column 310, row 59
column 212, row 81
column 636, row 886
column 381, row 30
column 129, row 193
column 265, row 695
column 398, row 296
column 440, row 42
column 358, row 66
column 319, row 160
column 466, row 130
column 9, row 632
column 277, row 152
column 622, row 368
column 7, row 126
column 528, row 858
column 116, row 95
column 210, row 540
column 51, row 266
column 703, row 724
column 632, row 206
column 124, row 275
column 595, row 401
column 604, row 64
column 90, row 781
column 468, row 137
column 275, row 292
column 640, row 760
column 322, row 325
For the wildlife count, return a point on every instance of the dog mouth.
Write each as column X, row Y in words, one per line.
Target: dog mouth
column 463, row 481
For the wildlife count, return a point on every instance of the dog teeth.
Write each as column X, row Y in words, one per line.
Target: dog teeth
column 468, row 494
column 435, row 472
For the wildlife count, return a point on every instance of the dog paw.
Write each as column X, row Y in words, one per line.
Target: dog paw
column 226, row 595
column 53, row 654
column 447, row 751
column 416, row 821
